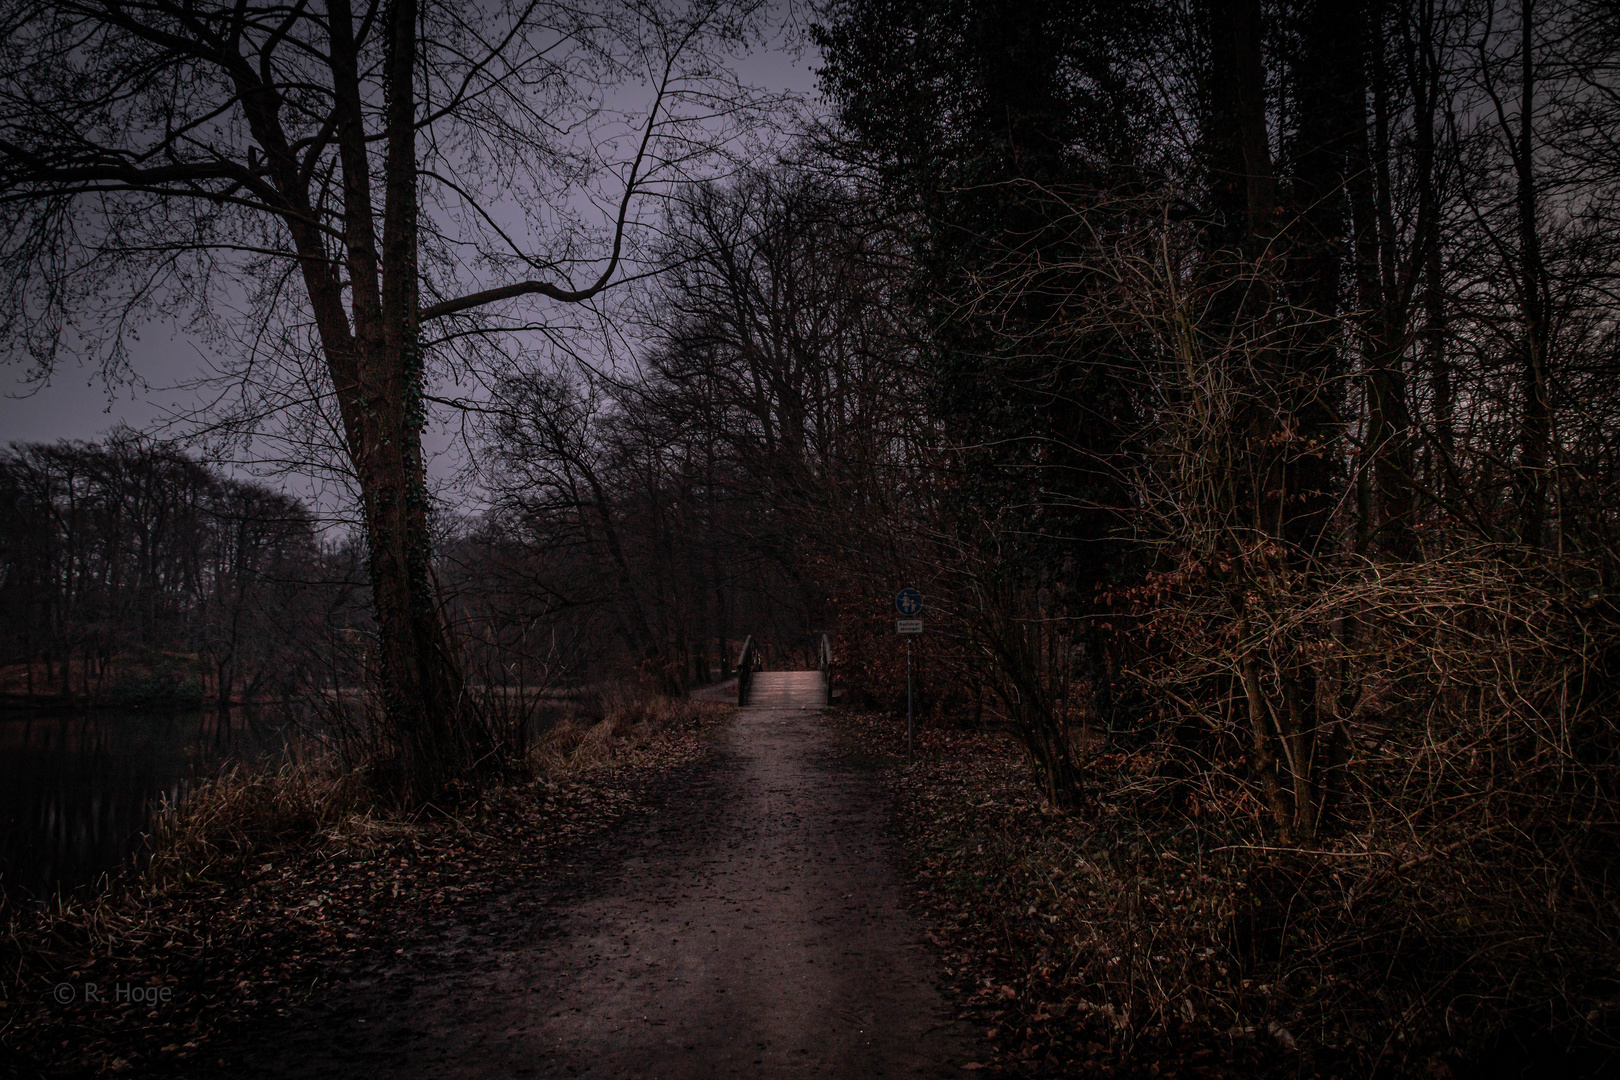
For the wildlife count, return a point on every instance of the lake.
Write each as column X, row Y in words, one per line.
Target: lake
column 77, row 787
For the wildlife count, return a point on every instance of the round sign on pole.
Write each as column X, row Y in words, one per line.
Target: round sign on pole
column 908, row 602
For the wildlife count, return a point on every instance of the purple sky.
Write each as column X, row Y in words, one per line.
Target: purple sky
column 77, row 405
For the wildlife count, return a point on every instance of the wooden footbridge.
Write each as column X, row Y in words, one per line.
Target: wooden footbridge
column 784, row 689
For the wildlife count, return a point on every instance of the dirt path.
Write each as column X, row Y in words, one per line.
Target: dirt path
column 753, row 925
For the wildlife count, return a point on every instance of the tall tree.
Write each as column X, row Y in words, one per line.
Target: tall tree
column 1006, row 136
column 367, row 177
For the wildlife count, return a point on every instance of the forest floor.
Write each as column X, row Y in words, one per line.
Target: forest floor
column 746, row 915
column 284, row 894
column 749, row 923
column 691, row 892
column 1024, row 910
column 770, row 892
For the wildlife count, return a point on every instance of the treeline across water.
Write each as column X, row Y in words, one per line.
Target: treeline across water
column 132, row 571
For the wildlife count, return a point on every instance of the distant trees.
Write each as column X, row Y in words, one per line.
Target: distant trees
column 117, row 555
column 376, row 188
column 738, row 481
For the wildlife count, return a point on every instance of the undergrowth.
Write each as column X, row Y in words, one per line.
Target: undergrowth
column 263, row 887
column 1140, row 936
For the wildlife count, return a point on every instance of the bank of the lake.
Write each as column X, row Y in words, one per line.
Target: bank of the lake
column 267, row 887
column 78, row 785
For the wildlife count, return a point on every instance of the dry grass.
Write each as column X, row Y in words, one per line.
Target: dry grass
column 229, row 818
column 264, row 887
column 613, row 724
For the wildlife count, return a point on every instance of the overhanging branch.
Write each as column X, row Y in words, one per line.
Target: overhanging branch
column 546, row 288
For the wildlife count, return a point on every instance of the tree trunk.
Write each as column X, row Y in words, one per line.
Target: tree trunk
column 1244, row 23
column 1332, row 92
column 1426, row 94
column 1236, row 146
column 422, row 683
column 1535, row 434
column 1299, row 741
column 1018, row 673
column 1370, row 301
column 377, row 373
column 1264, row 765
column 1054, row 765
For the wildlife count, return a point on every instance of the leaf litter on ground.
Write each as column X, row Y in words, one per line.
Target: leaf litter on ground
column 212, row 943
column 1061, row 944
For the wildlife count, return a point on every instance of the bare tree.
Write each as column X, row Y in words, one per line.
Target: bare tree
column 124, row 551
column 375, row 184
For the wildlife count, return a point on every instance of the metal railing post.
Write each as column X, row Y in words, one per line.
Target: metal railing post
column 827, row 665
column 745, row 671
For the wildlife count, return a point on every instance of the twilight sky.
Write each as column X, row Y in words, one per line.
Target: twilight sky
column 75, row 404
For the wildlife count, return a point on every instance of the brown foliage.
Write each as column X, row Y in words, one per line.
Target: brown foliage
column 1454, row 903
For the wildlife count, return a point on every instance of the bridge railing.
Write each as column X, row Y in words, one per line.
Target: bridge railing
column 745, row 670
column 827, row 666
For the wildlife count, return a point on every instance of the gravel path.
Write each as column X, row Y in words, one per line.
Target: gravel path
column 753, row 925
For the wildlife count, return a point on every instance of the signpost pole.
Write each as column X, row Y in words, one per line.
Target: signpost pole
column 908, row 602
column 911, row 753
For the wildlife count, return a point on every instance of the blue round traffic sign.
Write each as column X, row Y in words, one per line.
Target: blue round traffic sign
column 908, row 602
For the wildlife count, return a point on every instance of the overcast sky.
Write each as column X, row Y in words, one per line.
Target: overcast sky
column 75, row 404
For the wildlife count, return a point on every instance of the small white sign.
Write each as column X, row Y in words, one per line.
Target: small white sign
column 908, row 626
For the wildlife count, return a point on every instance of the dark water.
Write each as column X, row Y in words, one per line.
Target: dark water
column 77, row 788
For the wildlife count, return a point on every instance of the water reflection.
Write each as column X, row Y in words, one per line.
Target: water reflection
column 77, row 787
